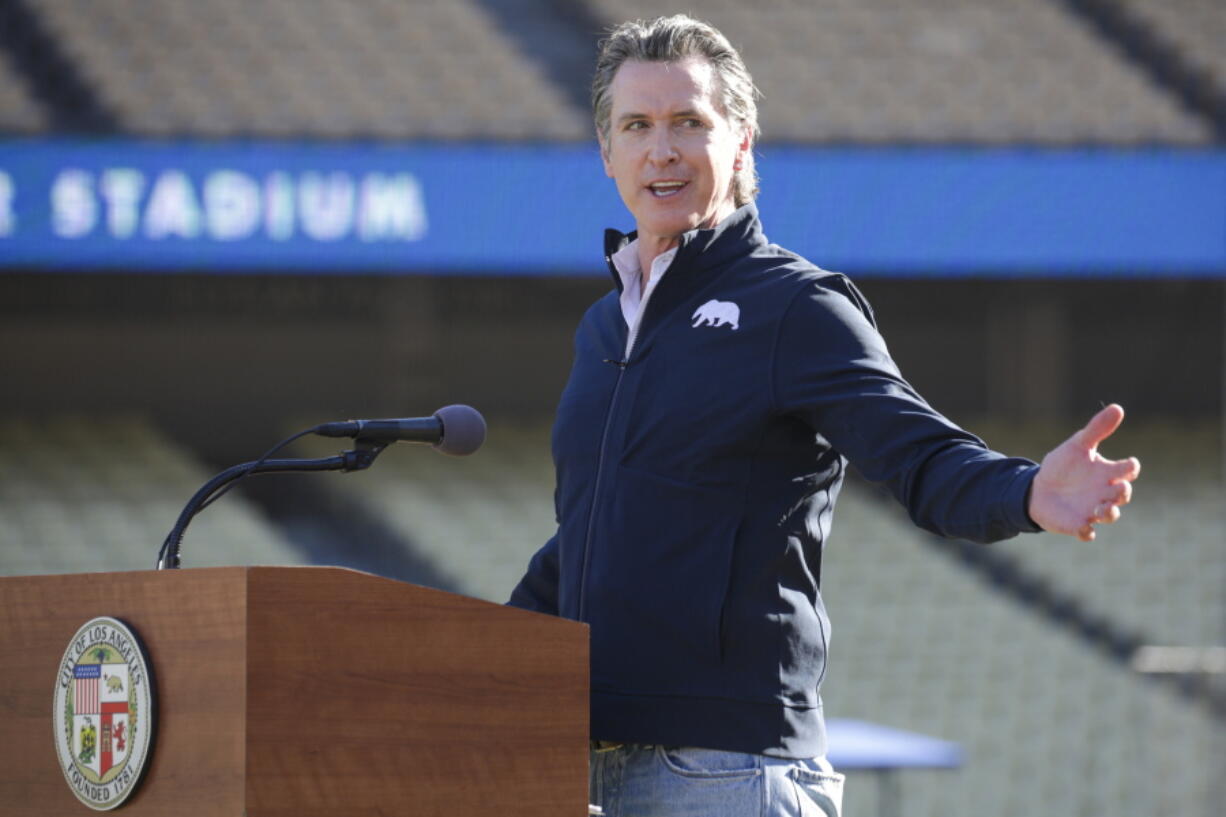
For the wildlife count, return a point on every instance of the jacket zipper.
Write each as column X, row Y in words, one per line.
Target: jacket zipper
column 591, row 514
column 604, row 440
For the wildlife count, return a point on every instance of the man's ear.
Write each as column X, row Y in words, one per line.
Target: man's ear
column 746, row 142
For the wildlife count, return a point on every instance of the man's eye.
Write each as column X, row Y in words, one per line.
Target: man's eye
column 636, row 125
column 693, row 123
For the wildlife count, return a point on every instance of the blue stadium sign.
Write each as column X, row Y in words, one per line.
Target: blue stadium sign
column 540, row 209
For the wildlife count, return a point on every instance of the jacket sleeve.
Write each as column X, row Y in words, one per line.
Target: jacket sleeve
column 831, row 369
column 538, row 589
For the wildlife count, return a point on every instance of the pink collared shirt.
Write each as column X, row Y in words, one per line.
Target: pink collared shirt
column 634, row 297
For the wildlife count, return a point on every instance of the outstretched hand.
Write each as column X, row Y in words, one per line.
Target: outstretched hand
column 1076, row 488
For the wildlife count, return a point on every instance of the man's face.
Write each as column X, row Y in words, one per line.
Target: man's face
column 670, row 149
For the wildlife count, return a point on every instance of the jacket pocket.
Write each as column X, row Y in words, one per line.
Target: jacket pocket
column 661, row 572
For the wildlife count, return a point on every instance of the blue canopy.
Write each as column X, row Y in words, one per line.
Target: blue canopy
column 862, row 745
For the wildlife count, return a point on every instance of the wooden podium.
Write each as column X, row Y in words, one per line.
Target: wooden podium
column 303, row 691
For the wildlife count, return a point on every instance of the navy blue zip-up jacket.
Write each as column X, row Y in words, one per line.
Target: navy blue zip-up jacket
column 696, row 478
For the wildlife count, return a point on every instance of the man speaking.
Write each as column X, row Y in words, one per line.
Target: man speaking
column 716, row 396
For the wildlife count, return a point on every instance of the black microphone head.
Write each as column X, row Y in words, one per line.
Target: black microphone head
column 463, row 430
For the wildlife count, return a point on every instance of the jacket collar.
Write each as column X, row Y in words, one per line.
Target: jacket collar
column 737, row 235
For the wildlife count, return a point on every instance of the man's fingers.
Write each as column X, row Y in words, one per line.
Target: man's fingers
column 1123, row 493
column 1101, row 426
column 1077, row 488
column 1128, row 469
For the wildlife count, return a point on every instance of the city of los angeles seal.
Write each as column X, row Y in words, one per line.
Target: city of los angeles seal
column 103, row 713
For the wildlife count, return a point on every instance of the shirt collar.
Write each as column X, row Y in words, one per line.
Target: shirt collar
column 712, row 247
column 626, row 262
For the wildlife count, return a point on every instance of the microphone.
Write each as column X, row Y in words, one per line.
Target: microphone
column 456, row 430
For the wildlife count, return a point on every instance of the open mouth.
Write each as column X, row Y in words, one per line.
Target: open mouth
column 664, row 190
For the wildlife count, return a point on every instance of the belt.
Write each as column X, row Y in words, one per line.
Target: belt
column 606, row 745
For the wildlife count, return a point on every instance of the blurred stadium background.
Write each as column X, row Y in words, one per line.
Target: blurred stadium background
column 223, row 221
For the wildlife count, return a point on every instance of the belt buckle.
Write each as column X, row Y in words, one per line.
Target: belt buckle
column 601, row 746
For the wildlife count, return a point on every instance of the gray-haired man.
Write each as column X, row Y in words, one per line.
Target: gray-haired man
column 716, row 396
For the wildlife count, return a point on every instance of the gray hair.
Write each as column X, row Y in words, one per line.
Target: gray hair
column 671, row 39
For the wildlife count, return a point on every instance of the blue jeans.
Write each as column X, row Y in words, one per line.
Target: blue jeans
column 659, row 781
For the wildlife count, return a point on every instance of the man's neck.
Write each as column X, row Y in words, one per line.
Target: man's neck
column 649, row 248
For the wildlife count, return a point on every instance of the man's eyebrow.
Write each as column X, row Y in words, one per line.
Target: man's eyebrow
column 688, row 112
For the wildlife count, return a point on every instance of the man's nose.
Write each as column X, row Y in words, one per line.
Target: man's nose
column 662, row 150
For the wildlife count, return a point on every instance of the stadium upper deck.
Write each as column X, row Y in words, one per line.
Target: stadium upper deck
column 19, row 113
column 938, row 71
column 979, row 71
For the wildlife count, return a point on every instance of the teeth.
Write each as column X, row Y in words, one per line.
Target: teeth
column 665, row 188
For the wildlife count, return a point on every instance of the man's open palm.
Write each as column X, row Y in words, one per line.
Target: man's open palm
column 1077, row 488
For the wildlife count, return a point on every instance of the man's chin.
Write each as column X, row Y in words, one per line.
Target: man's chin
column 659, row 219
column 672, row 226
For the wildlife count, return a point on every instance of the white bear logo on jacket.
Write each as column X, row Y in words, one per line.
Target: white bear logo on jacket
column 717, row 313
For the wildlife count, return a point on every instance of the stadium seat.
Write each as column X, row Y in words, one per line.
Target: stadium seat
column 19, row 112
column 322, row 68
column 477, row 519
column 97, row 494
column 1195, row 29
column 921, row 644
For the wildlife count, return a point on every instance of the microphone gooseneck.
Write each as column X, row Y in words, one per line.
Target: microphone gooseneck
column 457, row 430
